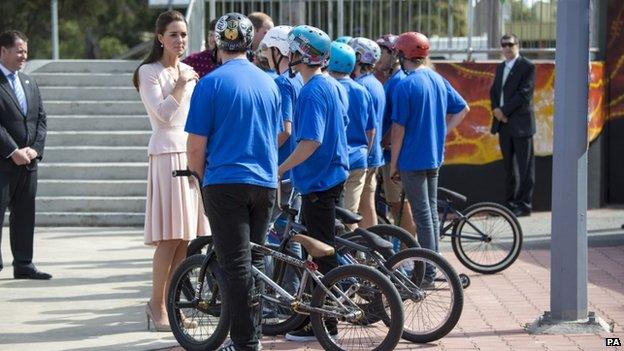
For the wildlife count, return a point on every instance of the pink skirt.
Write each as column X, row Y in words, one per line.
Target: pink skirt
column 173, row 209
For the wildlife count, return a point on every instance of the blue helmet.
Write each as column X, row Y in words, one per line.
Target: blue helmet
column 344, row 39
column 311, row 43
column 341, row 58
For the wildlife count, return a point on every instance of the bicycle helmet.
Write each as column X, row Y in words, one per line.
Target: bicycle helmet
column 277, row 37
column 311, row 43
column 344, row 39
column 341, row 58
column 233, row 32
column 412, row 45
column 387, row 41
column 367, row 51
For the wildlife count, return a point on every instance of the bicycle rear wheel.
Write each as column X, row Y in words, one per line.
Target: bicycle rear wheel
column 201, row 325
column 432, row 311
column 500, row 246
column 361, row 284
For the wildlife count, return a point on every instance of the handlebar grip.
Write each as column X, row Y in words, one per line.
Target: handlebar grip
column 181, row 173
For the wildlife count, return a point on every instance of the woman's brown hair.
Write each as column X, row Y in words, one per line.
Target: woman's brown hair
column 156, row 53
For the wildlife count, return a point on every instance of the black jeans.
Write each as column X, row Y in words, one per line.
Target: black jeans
column 239, row 214
column 318, row 211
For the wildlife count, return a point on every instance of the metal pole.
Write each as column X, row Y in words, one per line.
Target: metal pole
column 212, row 9
column 470, row 28
column 55, row 32
column 340, row 18
column 568, row 282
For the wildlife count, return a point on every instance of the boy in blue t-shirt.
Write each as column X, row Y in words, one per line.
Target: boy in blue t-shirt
column 361, row 126
column 367, row 54
column 320, row 160
column 233, row 122
column 425, row 108
column 389, row 65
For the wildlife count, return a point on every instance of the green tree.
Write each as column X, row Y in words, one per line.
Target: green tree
column 87, row 28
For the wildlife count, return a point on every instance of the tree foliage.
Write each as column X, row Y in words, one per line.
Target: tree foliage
column 87, row 28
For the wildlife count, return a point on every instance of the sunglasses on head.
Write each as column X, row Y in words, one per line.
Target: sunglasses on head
column 508, row 45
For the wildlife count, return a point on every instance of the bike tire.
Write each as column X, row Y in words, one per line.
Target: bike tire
column 212, row 338
column 452, row 285
column 464, row 247
column 381, row 287
column 391, row 233
column 197, row 245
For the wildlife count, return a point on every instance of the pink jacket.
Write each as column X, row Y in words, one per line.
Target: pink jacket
column 167, row 116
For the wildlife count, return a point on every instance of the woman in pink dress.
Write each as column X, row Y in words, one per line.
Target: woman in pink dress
column 173, row 213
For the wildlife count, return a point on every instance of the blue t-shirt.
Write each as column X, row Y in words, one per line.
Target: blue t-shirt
column 375, row 88
column 421, row 102
column 361, row 120
column 272, row 73
column 389, row 86
column 237, row 107
column 320, row 116
column 289, row 90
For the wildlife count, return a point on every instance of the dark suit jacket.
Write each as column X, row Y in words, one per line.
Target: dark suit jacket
column 17, row 130
column 518, row 105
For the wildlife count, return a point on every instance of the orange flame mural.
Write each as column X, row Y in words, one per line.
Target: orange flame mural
column 472, row 143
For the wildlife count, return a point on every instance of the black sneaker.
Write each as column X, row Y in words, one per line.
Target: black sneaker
column 228, row 345
column 301, row 335
column 307, row 334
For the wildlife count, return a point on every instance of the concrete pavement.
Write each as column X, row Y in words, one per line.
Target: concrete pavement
column 102, row 280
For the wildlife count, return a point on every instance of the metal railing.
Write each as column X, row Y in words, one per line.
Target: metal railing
column 461, row 29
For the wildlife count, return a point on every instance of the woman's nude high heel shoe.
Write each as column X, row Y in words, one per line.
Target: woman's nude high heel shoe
column 150, row 316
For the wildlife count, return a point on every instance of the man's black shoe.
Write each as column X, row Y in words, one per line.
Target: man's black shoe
column 31, row 273
column 521, row 213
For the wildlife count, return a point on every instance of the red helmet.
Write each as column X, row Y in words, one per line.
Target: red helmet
column 412, row 45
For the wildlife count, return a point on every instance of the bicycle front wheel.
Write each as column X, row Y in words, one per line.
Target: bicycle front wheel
column 431, row 310
column 488, row 239
column 351, row 287
column 197, row 325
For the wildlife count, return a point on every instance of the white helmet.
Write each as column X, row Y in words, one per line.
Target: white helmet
column 277, row 37
column 367, row 51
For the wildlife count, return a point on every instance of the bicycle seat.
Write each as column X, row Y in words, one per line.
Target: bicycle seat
column 313, row 247
column 373, row 240
column 451, row 196
column 346, row 216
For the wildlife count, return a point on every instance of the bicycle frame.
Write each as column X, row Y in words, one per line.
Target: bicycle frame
column 448, row 208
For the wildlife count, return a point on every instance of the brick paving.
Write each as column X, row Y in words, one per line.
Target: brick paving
column 497, row 307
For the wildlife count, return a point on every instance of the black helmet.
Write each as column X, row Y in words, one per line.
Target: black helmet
column 233, row 32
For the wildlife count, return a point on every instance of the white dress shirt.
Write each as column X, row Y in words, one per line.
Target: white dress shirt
column 508, row 66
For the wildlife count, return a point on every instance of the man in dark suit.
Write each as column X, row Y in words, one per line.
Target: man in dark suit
column 514, row 121
column 22, row 137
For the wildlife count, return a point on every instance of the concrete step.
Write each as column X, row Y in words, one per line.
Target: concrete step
column 83, row 79
column 89, row 93
column 81, row 187
column 98, row 122
column 87, row 219
column 90, row 66
column 97, row 138
column 90, row 204
column 96, row 154
column 94, row 107
column 102, row 170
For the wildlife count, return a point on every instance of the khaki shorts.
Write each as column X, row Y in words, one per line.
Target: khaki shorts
column 353, row 189
column 370, row 185
column 391, row 189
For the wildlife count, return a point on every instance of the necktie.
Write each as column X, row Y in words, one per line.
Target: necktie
column 19, row 92
column 505, row 74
